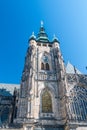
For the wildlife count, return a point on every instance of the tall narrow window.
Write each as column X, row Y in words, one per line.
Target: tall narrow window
column 46, row 102
column 42, row 66
column 47, row 66
column 5, row 115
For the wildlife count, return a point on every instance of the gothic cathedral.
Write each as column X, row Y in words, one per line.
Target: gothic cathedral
column 43, row 86
column 51, row 97
column 44, row 93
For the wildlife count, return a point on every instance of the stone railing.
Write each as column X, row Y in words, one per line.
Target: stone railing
column 45, row 76
column 48, row 115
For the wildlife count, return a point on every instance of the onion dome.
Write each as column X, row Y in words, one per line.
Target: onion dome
column 42, row 36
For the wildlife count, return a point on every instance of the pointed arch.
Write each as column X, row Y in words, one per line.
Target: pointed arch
column 47, row 66
column 42, row 66
column 46, row 102
column 5, row 115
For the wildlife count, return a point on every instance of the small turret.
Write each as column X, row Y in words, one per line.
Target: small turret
column 55, row 42
column 32, row 39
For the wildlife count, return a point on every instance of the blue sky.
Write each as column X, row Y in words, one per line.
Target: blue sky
column 19, row 18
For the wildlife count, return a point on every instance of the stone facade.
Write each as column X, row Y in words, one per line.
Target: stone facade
column 9, row 94
column 49, row 98
column 43, row 85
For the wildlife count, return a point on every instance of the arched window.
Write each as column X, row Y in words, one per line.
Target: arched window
column 47, row 66
column 5, row 115
column 46, row 102
column 42, row 66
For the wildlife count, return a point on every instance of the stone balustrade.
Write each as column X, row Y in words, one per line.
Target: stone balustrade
column 45, row 76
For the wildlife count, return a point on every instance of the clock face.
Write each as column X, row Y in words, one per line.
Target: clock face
column 45, row 58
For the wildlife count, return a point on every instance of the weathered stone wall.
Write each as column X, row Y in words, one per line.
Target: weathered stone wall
column 11, row 129
column 81, row 128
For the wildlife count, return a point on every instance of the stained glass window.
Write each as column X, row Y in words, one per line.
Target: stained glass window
column 78, row 103
column 46, row 102
column 5, row 115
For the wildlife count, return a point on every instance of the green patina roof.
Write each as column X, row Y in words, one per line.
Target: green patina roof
column 55, row 39
column 42, row 36
column 32, row 37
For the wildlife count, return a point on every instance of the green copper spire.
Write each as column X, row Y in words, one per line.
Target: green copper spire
column 42, row 36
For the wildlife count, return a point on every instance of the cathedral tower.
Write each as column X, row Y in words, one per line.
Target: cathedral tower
column 42, row 96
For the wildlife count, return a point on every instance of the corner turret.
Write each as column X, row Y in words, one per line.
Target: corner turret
column 55, row 42
column 32, row 39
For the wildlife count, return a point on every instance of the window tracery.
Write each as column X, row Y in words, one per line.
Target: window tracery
column 77, row 105
column 46, row 102
column 5, row 115
column 45, row 62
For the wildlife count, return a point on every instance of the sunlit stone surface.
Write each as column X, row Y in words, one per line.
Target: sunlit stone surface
column 50, row 96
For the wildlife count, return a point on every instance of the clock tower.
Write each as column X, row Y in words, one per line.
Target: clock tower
column 43, row 85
